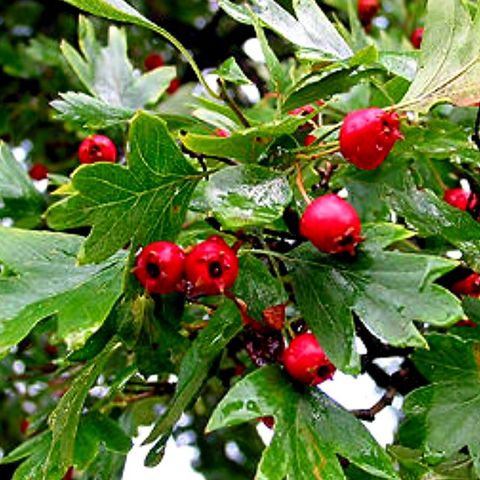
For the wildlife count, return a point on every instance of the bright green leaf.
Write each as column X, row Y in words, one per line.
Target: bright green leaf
column 142, row 203
column 230, row 71
column 40, row 278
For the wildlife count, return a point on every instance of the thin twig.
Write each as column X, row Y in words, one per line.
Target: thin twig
column 368, row 414
column 231, row 103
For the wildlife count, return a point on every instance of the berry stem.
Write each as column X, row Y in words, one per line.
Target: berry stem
column 301, row 186
column 315, row 156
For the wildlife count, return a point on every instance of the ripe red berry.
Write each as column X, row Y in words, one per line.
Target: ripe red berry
column 309, row 139
column 460, row 198
column 220, row 132
column 331, row 224
column 466, row 323
column 367, row 9
column 153, row 61
column 368, row 135
column 417, row 37
column 467, row 286
column 38, row 171
column 160, row 266
column 174, row 86
column 97, row 148
column 69, row 474
column 211, row 267
column 306, row 361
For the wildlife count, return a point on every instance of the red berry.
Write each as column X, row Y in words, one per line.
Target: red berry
column 268, row 421
column 69, row 474
column 460, row 198
column 160, row 266
column 368, row 135
column 153, row 61
column 417, row 36
column 38, row 171
column 306, row 361
column 220, row 132
column 174, row 86
column 304, row 110
column 211, row 267
column 467, row 286
column 309, row 139
column 24, row 426
column 367, row 9
column 331, row 224
column 466, row 323
column 97, row 148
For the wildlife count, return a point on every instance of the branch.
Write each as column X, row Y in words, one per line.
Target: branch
column 368, row 414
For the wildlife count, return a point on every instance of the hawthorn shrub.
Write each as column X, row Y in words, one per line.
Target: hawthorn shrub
column 170, row 246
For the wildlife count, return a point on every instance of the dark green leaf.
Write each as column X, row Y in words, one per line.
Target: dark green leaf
column 448, row 407
column 257, row 287
column 222, row 327
column 40, row 278
column 142, row 203
column 310, row 429
column 387, row 290
column 434, row 217
column 245, row 196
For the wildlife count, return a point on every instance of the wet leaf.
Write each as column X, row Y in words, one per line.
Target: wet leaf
column 310, row 429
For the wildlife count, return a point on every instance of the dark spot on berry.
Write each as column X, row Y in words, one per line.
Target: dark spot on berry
column 215, row 270
column 347, row 239
column 153, row 270
column 323, row 371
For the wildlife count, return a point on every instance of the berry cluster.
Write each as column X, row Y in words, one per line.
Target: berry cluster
column 209, row 268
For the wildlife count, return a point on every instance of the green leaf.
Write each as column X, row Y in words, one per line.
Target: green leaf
column 19, row 199
column 312, row 31
column 113, row 9
column 89, row 112
column 310, row 429
column 449, row 67
column 387, row 290
column 245, row 196
column 108, row 74
column 381, row 235
column 230, row 71
column 222, row 327
column 40, row 278
column 257, row 288
column 245, row 145
column 448, row 407
column 64, row 420
column 142, row 203
column 431, row 216
column 279, row 77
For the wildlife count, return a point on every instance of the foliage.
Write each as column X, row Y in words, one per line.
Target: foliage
column 88, row 356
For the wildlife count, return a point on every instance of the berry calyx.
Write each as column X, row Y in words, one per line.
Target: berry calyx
column 220, row 132
column 469, row 285
column 309, row 139
column 211, row 267
column 417, row 37
column 305, row 360
column 367, row 9
column 153, row 61
column 38, row 171
column 368, row 135
column 331, row 224
column 460, row 198
column 160, row 266
column 97, row 148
